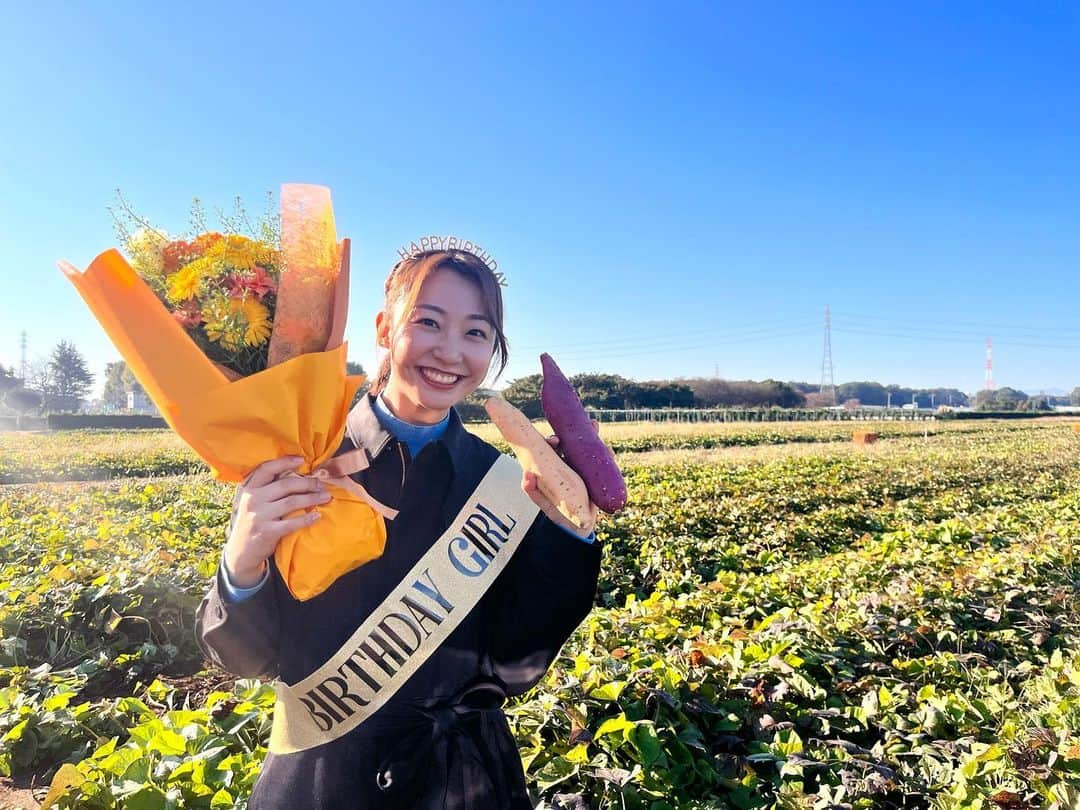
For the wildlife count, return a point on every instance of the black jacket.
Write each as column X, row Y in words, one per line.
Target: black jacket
column 441, row 741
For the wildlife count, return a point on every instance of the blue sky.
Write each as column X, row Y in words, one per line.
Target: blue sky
column 671, row 190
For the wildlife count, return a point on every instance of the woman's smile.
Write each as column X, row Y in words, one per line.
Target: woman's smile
column 438, row 378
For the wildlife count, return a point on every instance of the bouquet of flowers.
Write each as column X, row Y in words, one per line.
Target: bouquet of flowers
column 221, row 289
column 238, row 340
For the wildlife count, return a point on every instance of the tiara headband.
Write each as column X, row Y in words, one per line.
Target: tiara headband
column 429, row 243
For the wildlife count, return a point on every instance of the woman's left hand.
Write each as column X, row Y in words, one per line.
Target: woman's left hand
column 532, row 489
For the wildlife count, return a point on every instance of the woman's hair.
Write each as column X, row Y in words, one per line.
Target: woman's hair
column 408, row 276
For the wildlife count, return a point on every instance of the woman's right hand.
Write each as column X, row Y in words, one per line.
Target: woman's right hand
column 259, row 522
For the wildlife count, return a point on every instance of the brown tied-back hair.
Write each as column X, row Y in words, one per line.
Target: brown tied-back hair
column 408, row 276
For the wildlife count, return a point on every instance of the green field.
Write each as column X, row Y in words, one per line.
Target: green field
column 784, row 619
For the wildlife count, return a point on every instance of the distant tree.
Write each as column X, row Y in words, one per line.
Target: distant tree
column 786, row 395
column 868, row 393
column 23, row 401
column 660, row 394
column 1001, row 399
column 816, row 399
column 114, row 392
column 602, row 390
column 524, row 393
column 119, row 382
column 471, row 409
column 356, row 370
column 8, row 380
column 1074, row 397
column 39, row 377
column 70, row 380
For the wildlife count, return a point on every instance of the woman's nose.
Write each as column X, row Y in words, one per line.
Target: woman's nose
column 448, row 350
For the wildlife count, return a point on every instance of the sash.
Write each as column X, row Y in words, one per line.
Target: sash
column 417, row 616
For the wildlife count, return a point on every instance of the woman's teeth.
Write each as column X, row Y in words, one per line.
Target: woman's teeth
column 438, row 377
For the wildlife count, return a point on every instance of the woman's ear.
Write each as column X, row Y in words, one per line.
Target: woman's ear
column 382, row 330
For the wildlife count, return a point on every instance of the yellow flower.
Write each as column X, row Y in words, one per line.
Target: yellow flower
column 236, row 322
column 222, row 324
column 258, row 321
column 184, row 283
column 240, row 252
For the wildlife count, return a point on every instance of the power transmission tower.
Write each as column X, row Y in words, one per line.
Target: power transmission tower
column 22, row 360
column 827, row 381
column 988, row 381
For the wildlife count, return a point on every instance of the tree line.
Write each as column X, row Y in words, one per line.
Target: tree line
column 62, row 384
column 59, row 384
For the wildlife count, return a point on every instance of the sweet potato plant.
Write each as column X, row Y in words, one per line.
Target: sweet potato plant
column 891, row 628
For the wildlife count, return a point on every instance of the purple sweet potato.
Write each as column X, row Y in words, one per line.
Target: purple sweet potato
column 582, row 448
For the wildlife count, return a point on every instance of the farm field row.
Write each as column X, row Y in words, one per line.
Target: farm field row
column 876, row 627
column 82, row 455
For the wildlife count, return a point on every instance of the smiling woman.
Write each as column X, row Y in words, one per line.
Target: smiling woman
column 391, row 682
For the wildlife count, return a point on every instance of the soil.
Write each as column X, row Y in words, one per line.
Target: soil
column 18, row 793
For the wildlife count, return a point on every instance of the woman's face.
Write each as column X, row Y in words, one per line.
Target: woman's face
column 439, row 352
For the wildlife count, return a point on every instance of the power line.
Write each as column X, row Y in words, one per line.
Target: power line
column 651, row 340
column 946, row 319
column 616, row 352
column 938, row 337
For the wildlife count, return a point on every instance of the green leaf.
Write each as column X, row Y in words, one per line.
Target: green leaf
column 149, row 797
column 614, row 725
column 168, row 742
column 67, row 776
column 105, row 749
column 557, row 769
column 608, row 691
column 57, row 701
column 647, row 743
column 222, row 799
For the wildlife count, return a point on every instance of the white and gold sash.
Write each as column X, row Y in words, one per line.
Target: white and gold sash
column 418, row 615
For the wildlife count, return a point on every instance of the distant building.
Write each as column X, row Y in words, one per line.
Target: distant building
column 138, row 402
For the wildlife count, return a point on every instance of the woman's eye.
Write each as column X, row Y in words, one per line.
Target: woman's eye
column 427, row 322
column 479, row 333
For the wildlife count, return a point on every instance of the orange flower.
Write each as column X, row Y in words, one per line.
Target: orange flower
column 175, row 254
column 204, row 241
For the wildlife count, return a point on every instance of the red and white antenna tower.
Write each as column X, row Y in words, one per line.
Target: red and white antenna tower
column 988, row 383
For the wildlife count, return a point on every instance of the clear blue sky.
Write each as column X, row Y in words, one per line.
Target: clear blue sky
column 672, row 190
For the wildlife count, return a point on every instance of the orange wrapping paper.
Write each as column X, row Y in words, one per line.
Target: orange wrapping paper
column 298, row 407
column 302, row 320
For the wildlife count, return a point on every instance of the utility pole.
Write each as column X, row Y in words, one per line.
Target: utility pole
column 888, row 400
column 22, row 360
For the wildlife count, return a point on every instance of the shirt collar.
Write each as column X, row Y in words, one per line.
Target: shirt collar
column 365, row 430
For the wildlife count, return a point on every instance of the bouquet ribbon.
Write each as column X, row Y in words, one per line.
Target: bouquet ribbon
column 336, row 472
